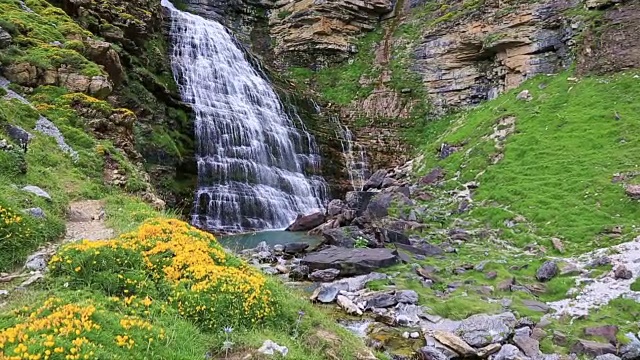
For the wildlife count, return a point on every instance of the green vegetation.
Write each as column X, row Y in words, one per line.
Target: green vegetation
column 41, row 38
column 559, row 164
column 340, row 84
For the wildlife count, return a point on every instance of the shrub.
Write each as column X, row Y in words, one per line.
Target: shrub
column 170, row 259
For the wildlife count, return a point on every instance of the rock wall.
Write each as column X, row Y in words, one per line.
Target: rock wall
column 493, row 48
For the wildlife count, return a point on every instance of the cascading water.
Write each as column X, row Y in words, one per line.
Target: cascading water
column 251, row 158
column 354, row 156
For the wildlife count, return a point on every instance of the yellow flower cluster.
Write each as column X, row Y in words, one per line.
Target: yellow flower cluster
column 12, row 225
column 53, row 328
column 205, row 284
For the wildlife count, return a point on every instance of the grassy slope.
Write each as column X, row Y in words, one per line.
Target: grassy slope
column 557, row 172
column 558, row 167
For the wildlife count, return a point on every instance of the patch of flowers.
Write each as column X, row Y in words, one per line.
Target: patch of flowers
column 61, row 330
column 170, row 260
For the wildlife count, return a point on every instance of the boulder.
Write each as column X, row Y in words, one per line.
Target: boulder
column 104, row 54
column 592, row 348
column 350, row 261
column 431, row 353
column 5, row 38
column 271, row 348
column 392, row 236
column 529, row 346
column 433, row 177
column 631, row 350
column 348, row 305
column 547, row 271
column 407, row 297
column 380, row 300
column 424, row 249
column 346, row 237
column 600, row 4
column 37, row 191
column 299, row 272
column 375, row 181
column 633, row 191
column 326, row 275
column 378, row 206
column 325, row 293
column 455, row 343
column 536, row 306
column 621, row 272
column 17, row 134
column 481, row 330
column 607, row 357
column 37, row 213
column 608, row 332
column 335, row 207
column 37, row 261
column 358, row 200
column 508, row 352
column 295, row 248
column 307, row 222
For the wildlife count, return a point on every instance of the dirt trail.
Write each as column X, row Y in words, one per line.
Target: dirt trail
column 85, row 220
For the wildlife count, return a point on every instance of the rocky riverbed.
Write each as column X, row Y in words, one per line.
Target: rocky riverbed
column 406, row 271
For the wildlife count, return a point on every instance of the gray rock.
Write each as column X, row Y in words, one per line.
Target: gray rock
column 431, row 353
column 607, row 357
column 299, row 272
column 491, row 275
column 407, row 297
column 433, row 177
column 524, row 95
column 421, row 249
column 271, row 348
column 375, row 181
column 481, row 265
column 592, row 348
column 350, row 261
column 547, row 271
column 307, row 222
column 45, row 126
column 326, row 275
column 5, row 38
column 508, row 352
column 37, row 213
column 380, row 300
column 325, row 293
column 37, row 191
column 529, row 346
column 348, row 305
column 335, row 207
column 37, row 261
column 536, row 306
column 621, row 272
column 17, row 134
column 4, row 293
column 392, row 236
column 631, row 351
column 358, row 200
column 345, row 236
column 270, row 270
column 608, row 332
column 295, row 248
column 278, row 248
column 481, row 330
column 601, row 261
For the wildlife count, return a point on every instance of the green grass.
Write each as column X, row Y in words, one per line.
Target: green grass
column 558, row 166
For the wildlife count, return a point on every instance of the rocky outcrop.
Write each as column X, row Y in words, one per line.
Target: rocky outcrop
column 613, row 45
column 27, row 74
column 350, row 261
column 485, row 50
column 5, row 38
column 318, row 33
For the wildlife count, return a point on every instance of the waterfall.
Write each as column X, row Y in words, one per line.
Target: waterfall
column 354, row 156
column 255, row 168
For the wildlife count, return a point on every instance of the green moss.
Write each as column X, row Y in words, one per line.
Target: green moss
column 635, row 286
